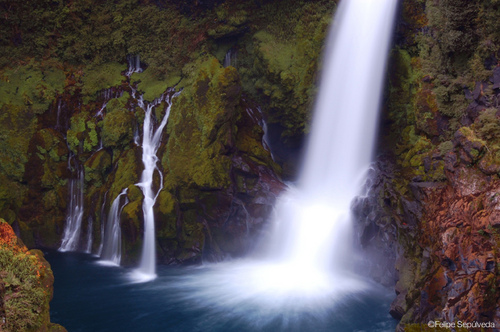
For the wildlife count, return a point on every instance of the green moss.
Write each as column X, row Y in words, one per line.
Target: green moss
column 445, row 147
column 28, row 280
column 11, row 193
column 132, row 229
column 30, row 86
column 17, row 126
column 132, row 212
column 151, row 86
column 230, row 22
column 199, row 124
column 127, row 171
column 82, row 135
column 100, row 77
column 278, row 64
column 134, row 193
column 116, row 103
column 26, row 234
column 117, row 128
column 97, row 167
column 166, row 202
column 488, row 126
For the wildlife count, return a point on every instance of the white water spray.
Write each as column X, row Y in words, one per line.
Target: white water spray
column 112, row 243
column 72, row 230
column 150, row 144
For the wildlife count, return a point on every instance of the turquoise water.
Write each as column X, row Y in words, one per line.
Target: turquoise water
column 92, row 297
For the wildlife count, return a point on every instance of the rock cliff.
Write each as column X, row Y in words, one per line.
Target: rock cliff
column 26, row 286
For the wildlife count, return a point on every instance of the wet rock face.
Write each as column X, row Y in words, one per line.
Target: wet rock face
column 442, row 136
column 462, row 237
column 436, row 242
column 377, row 227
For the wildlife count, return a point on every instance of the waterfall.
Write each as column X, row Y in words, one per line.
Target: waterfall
column 72, row 230
column 112, row 243
column 150, row 144
column 103, row 221
column 88, row 247
column 134, row 65
column 59, row 106
column 230, row 59
column 313, row 220
column 265, row 137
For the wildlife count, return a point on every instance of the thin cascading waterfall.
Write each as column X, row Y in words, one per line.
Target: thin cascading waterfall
column 137, row 137
column 106, row 95
column 259, row 119
column 59, row 107
column 88, row 246
column 72, row 229
column 150, row 144
column 112, row 243
column 134, row 65
column 103, row 221
column 265, row 137
column 230, row 59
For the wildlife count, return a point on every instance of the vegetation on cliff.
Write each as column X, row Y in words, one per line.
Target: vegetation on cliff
column 25, row 286
column 442, row 119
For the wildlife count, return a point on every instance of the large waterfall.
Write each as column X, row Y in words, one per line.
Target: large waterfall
column 306, row 266
column 313, row 222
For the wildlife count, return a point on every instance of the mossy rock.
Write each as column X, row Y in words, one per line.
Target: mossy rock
column 117, row 103
column 192, row 235
column 53, row 144
column 97, row 167
column 17, row 126
column 26, row 234
column 281, row 68
column 132, row 232
column 490, row 162
column 28, row 281
column 82, row 135
column 47, row 166
column 151, row 86
column 166, row 202
column 31, row 86
column 128, row 166
column 200, row 128
column 48, row 232
column 118, row 128
column 12, row 194
column 487, row 126
column 229, row 23
column 473, row 146
column 134, row 193
column 99, row 77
